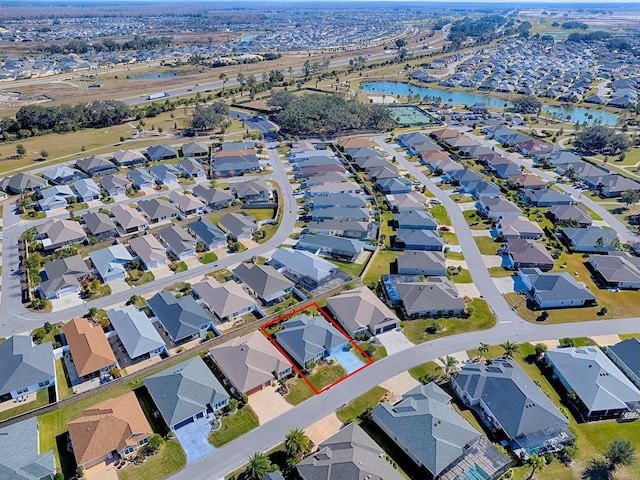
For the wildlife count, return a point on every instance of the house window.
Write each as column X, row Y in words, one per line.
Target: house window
column 43, row 384
column 129, row 450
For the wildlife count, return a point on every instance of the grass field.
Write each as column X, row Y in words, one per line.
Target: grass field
column 425, row 369
column 475, row 221
column 323, row 376
column 208, row 257
column 64, row 390
column 140, row 277
column 171, row 459
column 463, row 277
column 353, row 269
column 358, row 406
column 233, row 426
column 379, row 352
column 440, row 214
column 181, row 267
column 487, row 245
column 482, row 318
column 454, row 255
column 42, row 399
column 380, row 265
column 499, row 272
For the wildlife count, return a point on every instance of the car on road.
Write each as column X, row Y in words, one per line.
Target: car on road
column 189, row 90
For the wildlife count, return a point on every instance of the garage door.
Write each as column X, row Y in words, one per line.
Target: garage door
column 183, row 423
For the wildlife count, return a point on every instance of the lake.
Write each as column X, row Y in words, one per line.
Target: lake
column 154, row 76
column 464, row 98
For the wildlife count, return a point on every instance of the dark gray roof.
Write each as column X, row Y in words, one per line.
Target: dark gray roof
column 350, row 454
column 588, row 237
column 617, row 267
column 206, row 231
column 236, row 163
column 181, row 317
column 98, row 223
column 212, row 195
column 140, row 176
column 419, row 238
column 63, row 273
column 20, row 457
column 24, row 364
column 594, row 378
column 95, row 164
column 157, row 208
column 237, row 224
column 511, row 397
column 177, row 239
column 160, row 152
column 305, row 337
column 422, row 260
column 338, row 244
column 340, row 200
column 571, row 212
column 425, row 423
column 182, row 391
column 547, row 195
column 262, row 279
column 436, row 294
column 417, row 219
column 551, row 287
column 628, row 351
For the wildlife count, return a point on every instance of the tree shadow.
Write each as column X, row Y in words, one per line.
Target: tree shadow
column 597, row 470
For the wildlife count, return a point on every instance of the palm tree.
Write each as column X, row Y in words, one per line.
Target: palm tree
column 258, row 467
column 296, row 443
column 482, row 349
column 536, row 463
column 509, row 348
column 223, row 77
column 450, row 366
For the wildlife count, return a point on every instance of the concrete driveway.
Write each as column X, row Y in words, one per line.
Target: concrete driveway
column 194, row 439
column 268, row 404
column 504, row 284
column 394, row 341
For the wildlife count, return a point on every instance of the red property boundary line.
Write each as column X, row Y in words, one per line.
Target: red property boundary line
column 292, row 362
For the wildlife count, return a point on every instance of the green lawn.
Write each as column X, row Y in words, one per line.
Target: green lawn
column 209, row 257
column 323, row 376
column 487, row 245
column 171, row 459
column 299, row 391
column 352, row 411
column 180, row 267
column 386, row 229
column 352, row 269
column 499, row 272
column 380, row 265
column 74, row 207
column 454, row 255
column 440, row 214
column 233, row 426
column 475, row 221
column 379, row 352
column 140, row 277
column 64, row 390
column 425, row 369
column 449, row 238
column 625, row 336
column 42, row 399
column 463, row 277
column 221, row 275
column 261, row 213
column 458, row 198
column 482, row 318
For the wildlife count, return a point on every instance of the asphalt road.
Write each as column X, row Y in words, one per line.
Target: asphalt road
column 15, row 318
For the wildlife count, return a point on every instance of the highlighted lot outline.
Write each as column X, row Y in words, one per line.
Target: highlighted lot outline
column 293, row 363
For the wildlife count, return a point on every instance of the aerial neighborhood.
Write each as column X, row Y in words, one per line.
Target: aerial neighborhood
column 324, row 243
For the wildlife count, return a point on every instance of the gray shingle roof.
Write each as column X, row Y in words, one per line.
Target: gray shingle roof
column 617, row 267
column 237, row 224
column 360, row 308
column 63, row 273
column 262, row 279
column 212, row 195
column 337, row 244
column 156, row 208
column 98, row 223
column 177, row 238
column 180, row 317
column 184, row 390
column 551, row 287
column 628, row 352
column 24, row 364
column 20, row 457
column 135, row 331
column 206, row 231
column 304, row 337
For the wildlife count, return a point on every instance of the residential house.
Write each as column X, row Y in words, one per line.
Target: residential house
column 341, row 213
column 264, row 281
column 115, row 185
column 96, row 166
column 149, row 251
column 435, row 297
column 343, row 228
column 62, row 277
column 562, row 159
column 350, row 453
column 403, row 202
column 128, row 158
column 535, row 148
column 136, row 332
column 346, row 249
column 21, row 457
column 617, row 270
column 62, row 175
column 99, row 225
column 528, row 181
column 383, row 171
column 238, row 226
column 56, row 233
column 590, row 239
column 186, row 392
column 309, row 339
column 325, row 173
column 414, row 262
column 251, row 362
column 226, row 301
column 415, row 220
column 602, row 390
column 486, row 189
column 505, row 170
column 164, row 174
column 236, row 163
column 90, row 350
column 115, row 428
column 187, row 204
column 232, row 146
column 626, row 355
column 141, row 179
column 466, row 179
column 545, row 198
column 215, row 198
column 87, row 190
column 555, row 290
column 610, row 185
column 304, row 268
column 110, row 262
column 129, row 219
column 334, row 187
column 191, row 169
column 178, row 241
column 158, row 210
column 195, row 149
column 55, row 197
column 161, row 152
column 207, row 234
column 518, row 227
column 393, row 185
column 498, row 208
column 22, row 182
column 182, row 318
column 427, row 428
column 507, row 400
column 412, row 239
column 523, row 253
column 339, row 200
column 26, row 368
column 252, row 191
column 567, row 214
column 361, row 312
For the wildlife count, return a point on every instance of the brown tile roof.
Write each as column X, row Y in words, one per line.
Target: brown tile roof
column 88, row 345
column 347, row 143
column 107, row 426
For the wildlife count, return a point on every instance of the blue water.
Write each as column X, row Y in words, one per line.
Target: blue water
column 154, row 76
column 248, row 38
column 349, row 361
column 463, row 98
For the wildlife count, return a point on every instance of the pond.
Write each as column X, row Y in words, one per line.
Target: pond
column 464, row 98
column 247, row 38
column 154, row 76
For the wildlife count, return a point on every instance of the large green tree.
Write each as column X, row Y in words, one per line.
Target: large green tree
column 620, row 452
column 296, row 443
column 259, row 466
column 600, row 139
column 208, row 117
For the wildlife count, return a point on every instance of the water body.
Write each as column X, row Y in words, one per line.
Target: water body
column 248, row 38
column 154, row 76
column 464, row 98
